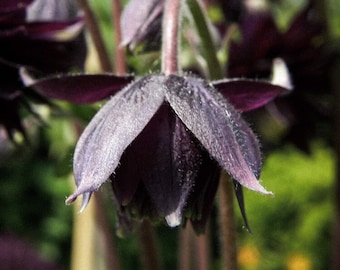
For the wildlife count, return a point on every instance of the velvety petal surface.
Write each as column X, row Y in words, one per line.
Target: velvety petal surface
column 52, row 10
column 83, row 88
column 164, row 158
column 217, row 126
column 149, row 155
column 112, row 129
column 186, row 161
column 200, row 201
column 246, row 94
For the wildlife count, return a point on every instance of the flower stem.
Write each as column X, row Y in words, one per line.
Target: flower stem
column 194, row 250
column 93, row 28
column 227, row 223
column 108, row 243
column 150, row 258
column 170, row 38
column 120, row 59
column 202, row 250
column 214, row 67
column 83, row 248
column 185, row 248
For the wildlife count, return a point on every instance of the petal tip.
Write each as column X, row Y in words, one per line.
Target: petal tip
column 86, row 198
column 85, row 202
column 280, row 74
column 174, row 219
column 262, row 190
column 70, row 199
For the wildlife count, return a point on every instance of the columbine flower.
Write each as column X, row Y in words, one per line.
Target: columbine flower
column 43, row 42
column 302, row 47
column 162, row 139
column 49, row 45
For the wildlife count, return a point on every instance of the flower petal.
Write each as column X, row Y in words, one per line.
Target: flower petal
column 186, row 161
column 240, row 199
column 217, row 126
column 62, row 56
column 52, row 10
column 81, row 88
column 201, row 200
column 149, row 155
column 55, row 31
column 246, row 94
column 164, row 157
column 144, row 13
column 112, row 129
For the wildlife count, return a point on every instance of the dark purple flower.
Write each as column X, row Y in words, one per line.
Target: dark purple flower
column 162, row 139
column 43, row 42
column 303, row 48
column 41, row 36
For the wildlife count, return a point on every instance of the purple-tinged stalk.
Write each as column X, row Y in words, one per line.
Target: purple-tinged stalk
column 227, row 223
column 190, row 243
column 185, row 248
column 109, row 244
column 170, row 36
column 93, row 27
column 120, row 59
column 150, row 258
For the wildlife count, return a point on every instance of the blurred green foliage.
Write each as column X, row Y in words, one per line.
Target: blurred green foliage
column 299, row 218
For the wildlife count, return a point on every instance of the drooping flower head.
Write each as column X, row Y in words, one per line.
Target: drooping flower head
column 162, row 139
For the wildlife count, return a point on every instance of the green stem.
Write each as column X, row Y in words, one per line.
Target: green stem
column 214, row 67
column 83, row 248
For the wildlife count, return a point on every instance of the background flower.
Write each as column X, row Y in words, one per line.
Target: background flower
column 303, row 48
column 43, row 43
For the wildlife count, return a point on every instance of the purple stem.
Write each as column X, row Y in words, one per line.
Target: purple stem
column 170, row 37
column 110, row 250
column 149, row 254
column 120, row 59
column 185, row 248
column 227, row 223
column 93, row 28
